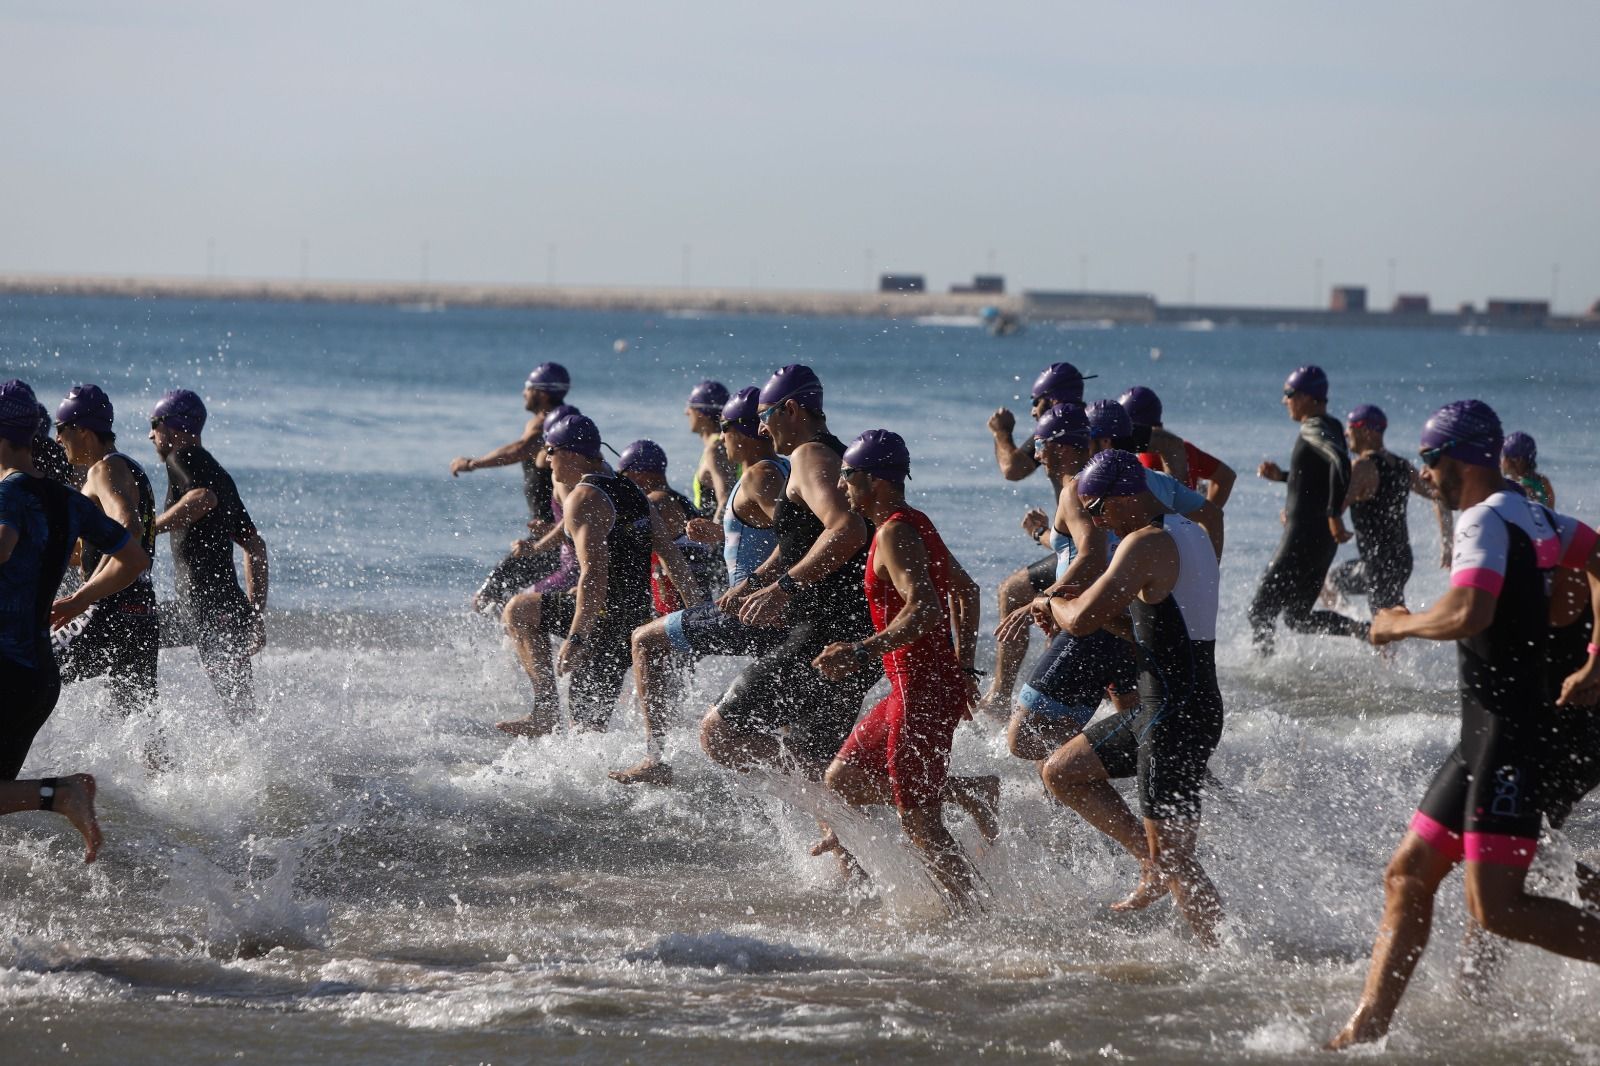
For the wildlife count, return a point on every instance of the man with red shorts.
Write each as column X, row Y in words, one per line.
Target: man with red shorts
column 925, row 616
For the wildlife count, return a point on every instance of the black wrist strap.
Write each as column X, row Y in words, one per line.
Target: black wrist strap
column 47, row 793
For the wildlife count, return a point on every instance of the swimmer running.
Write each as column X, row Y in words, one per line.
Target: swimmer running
column 925, row 611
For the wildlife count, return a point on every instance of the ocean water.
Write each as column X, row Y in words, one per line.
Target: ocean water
column 370, row 873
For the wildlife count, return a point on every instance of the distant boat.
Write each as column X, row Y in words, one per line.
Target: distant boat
column 422, row 307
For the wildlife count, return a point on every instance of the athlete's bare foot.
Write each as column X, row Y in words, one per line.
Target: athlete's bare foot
column 650, row 771
column 980, row 798
column 994, row 705
column 1152, row 886
column 530, row 727
column 1362, row 1028
column 847, row 862
column 74, row 801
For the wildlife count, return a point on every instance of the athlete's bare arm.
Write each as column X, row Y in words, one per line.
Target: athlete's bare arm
column 1146, row 563
column 902, row 559
column 1363, row 480
column 670, row 512
column 1581, row 688
column 1015, row 463
column 588, row 518
column 814, row 480
column 966, row 603
column 120, row 570
column 525, row 447
column 1219, row 486
column 1461, row 612
column 190, row 508
column 715, row 462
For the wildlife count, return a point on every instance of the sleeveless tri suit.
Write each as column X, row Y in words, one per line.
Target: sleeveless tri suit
column 907, row 736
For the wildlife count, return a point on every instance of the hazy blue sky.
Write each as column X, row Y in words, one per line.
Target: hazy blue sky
column 796, row 143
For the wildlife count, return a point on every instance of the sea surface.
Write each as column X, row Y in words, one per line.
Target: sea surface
column 370, row 873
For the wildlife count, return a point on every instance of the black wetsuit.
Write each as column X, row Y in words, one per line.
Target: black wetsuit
column 212, row 611
column 516, row 572
column 1574, row 764
column 1485, row 802
column 119, row 636
column 1383, row 538
column 607, row 655
column 781, row 691
column 47, row 518
column 1167, row 740
column 1319, row 477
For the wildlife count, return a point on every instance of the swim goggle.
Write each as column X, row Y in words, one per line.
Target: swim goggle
column 1430, row 456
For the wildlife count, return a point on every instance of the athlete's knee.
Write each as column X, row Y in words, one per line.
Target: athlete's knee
column 1022, row 737
column 521, row 614
column 1069, row 767
column 1015, row 590
column 1414, row 870
column 649, row 641
column 714, row 737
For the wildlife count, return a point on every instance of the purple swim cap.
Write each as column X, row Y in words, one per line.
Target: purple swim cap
column 1064, row 422
column 709, row 396
column 1520, row 445
column 1309, row 380
column 881, row 453
column 795, row 382
column 1108, row 419
column 180, row 409
column 86, row 406
column 645, row 456
column 1369, row 416
column 549, row 377
column 1113, row 472
column 1143, row 406
column 575, row 433
column 1060, row 383
column 740, row 411
column 19, row 412
column 1467, row 430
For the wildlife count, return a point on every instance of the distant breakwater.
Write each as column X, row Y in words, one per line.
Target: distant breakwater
column 1119, row 309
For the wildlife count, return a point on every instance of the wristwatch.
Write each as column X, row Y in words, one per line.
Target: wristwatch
column 863, row 656
column 788, row 584
column 575, row 639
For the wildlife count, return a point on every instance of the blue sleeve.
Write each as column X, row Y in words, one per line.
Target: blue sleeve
column 1173, row 494
column 93, row 526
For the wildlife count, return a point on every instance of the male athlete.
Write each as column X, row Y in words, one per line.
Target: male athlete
column 1318, row 480
column 542, row 395
column 780, row 711
column 925, row 610
column 1161, row 586
column 1076, row 673
column 715, row 472
column 748, row 541
column 1485, row 804
column 40, row 520
column 205, row 518
column 1173, row 454
column 119, row 636
column 1381, row 484
column 614, row 529
column 1057, row 383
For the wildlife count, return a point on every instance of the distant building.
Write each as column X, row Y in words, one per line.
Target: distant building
column 992, row 284
column 1518, row 308
column 1594, row 309
column 902, row 283
column 1351, row 298
column 1467, row 308
column 1413, row 304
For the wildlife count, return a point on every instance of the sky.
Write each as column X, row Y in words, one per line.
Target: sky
column 1232, row 152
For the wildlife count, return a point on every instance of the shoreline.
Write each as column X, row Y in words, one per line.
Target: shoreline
column 1113, row 308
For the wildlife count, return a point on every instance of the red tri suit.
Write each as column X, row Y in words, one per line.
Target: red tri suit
column 907, row 736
